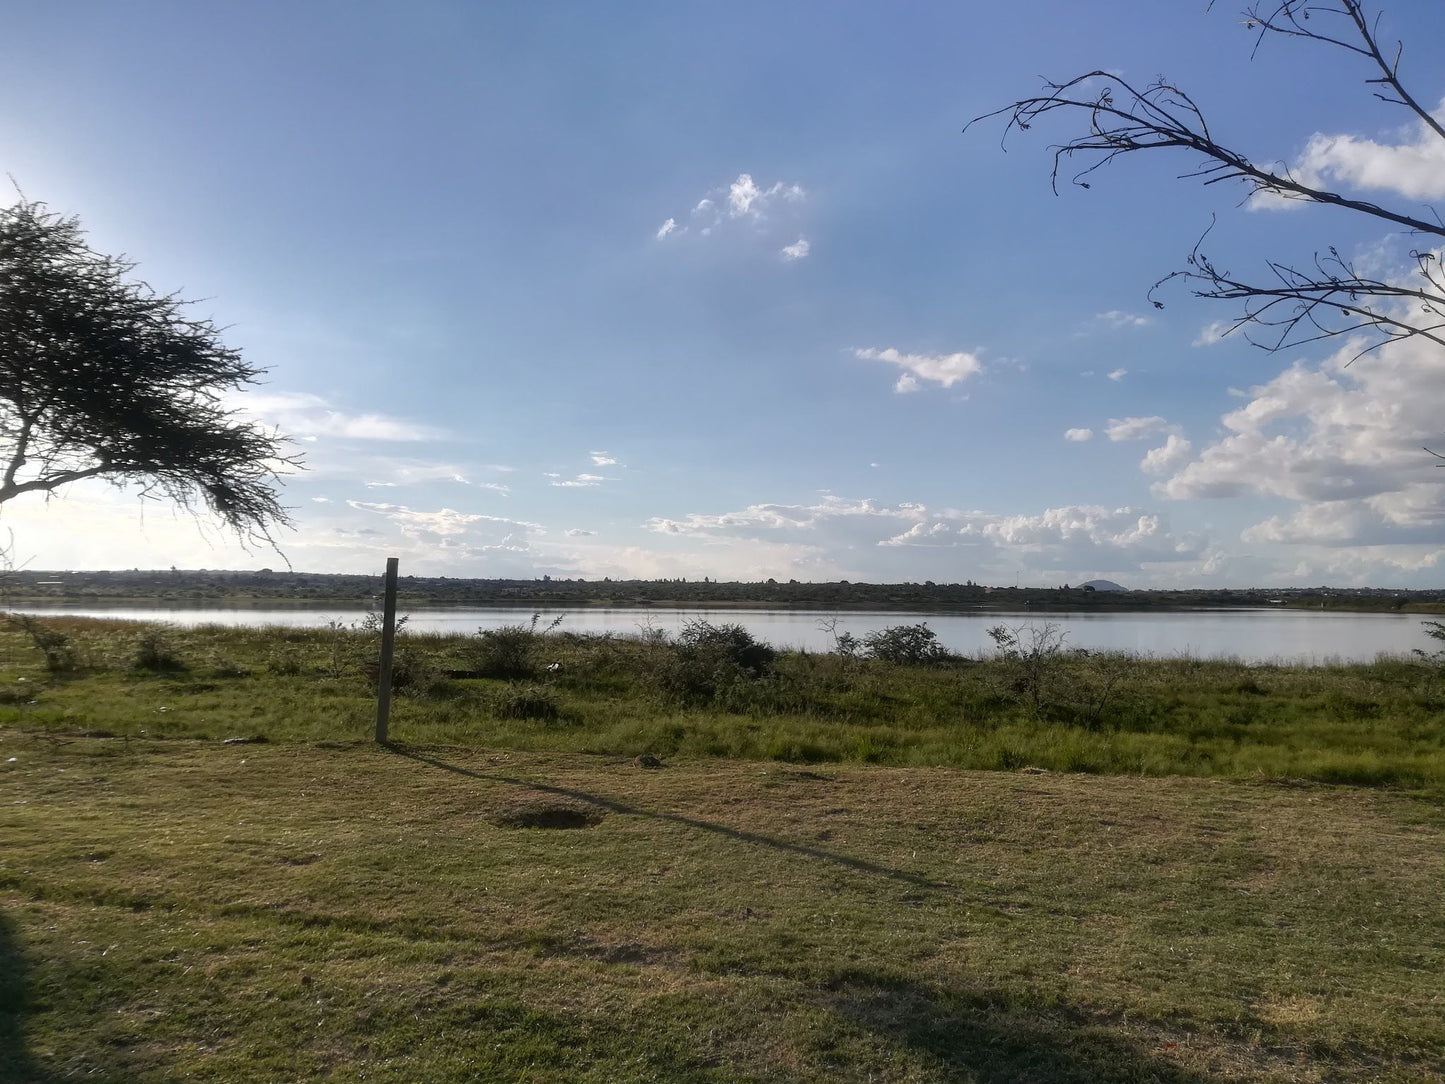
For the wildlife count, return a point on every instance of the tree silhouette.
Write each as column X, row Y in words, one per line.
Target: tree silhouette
column 100, row 377
column 1292, row 304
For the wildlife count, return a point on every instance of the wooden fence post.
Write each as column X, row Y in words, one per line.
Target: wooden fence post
column 388, row 642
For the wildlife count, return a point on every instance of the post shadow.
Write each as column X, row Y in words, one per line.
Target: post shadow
column 968, row 1035
column 754, row 838
column 16, row 1064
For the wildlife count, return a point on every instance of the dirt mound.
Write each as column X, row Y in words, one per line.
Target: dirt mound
column 554, row 815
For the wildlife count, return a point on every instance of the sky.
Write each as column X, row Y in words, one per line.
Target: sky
column 667, row 289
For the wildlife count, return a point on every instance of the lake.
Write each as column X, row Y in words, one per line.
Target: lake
column 1296, row 636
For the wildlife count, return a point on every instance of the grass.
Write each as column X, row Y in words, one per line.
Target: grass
column 190, row 910
column 812, row 887
column 1379, row 724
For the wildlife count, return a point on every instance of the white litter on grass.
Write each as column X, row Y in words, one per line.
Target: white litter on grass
column 12, row 760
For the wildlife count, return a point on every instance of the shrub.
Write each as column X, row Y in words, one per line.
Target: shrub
column 413, row 673
column 285, row 661
column 525, row 701
column 505, row 653
column 732, row 643
column 1031, row 656
column 510, row 652
column 53, row 644
column 708, row 664
column 908, row 645
column 154, row 652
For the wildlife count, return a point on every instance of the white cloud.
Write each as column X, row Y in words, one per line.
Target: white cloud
column 1138, row 428
column 1169, row 455
column 771, row 213
column 797, row 250
column 1120, row 320
column 445, row 523
column 945, row 370
column 1414, row 168
column 305, row 416
column 602, row 459
column 1343, row 439
column 1118, row 374
column 581, row 481
column 578, row 532
column 1078, row 434
column 1213, row 332
column 1078, row 538
column 747, row 200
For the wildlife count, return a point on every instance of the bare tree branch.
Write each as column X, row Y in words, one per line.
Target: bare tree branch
column 1298, row 304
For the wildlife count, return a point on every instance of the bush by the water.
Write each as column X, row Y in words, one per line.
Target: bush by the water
column 907, row 645
column 510, row 652
column 155, row 652
column 712, row 665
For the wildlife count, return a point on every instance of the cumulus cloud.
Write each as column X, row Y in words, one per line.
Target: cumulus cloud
column 797, row 250
column 747, row 200
column 1078, row 434
column 1343, row 439
column 1414, row 168
column 1073, row 538
column 578, row 532
column 1138, row 428
column 1117, row 375
column 946, row 370
column 771, row 212
column 1167, row 456
column 602, row 459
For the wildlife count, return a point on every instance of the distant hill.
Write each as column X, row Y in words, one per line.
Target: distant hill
column 1104, row 585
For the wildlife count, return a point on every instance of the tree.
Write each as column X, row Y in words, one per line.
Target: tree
column 100, row 377
column 1292, row 304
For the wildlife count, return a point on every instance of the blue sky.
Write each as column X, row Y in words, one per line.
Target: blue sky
column 867, row 346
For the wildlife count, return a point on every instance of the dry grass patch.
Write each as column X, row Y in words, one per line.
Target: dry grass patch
column 193, row 910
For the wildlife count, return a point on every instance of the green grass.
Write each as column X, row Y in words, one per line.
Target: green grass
column 189, row 910
column 1380, row 724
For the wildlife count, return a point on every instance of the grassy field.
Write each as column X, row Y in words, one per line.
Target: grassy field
column 190, row 910
column 802, row 881
column 1377, row 724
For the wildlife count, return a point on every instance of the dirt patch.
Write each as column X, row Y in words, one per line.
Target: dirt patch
column 554, row 815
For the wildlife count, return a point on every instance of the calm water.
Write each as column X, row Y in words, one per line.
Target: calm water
column 1251, row 635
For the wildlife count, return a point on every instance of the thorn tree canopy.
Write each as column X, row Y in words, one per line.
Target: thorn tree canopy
column 100, row 377
column 1293, row 303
